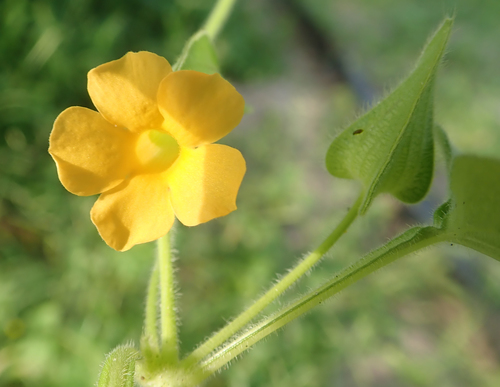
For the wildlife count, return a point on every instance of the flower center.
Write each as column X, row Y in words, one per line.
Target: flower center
column 156, row 150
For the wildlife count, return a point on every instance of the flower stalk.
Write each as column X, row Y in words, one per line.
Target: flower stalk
column 149, row 340
column 169, row 336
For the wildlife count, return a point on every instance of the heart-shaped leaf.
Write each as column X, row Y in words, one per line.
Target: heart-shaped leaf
column 391, row 147
column 472, row 217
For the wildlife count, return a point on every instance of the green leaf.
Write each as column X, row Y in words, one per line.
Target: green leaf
column 443, row 146
column 473, row 216
column 441, row 214
column 119, row 367
column 391, row 147
column 199, row 55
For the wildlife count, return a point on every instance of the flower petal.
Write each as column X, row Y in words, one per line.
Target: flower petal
column 136, row 211
column 125, row 90
column 199, row 108
column 92, row 156
column 204, row 183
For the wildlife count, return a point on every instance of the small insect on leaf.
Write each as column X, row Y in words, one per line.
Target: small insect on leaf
column 357, row 131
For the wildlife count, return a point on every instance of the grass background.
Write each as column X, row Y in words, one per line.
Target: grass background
column 305, row 69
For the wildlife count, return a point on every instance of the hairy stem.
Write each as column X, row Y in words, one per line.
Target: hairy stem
column 149, row 340
column 218, row 16
column 409, row 242
column 169, row 339
column 305, row 265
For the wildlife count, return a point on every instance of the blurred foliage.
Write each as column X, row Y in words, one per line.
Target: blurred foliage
column 66, row 299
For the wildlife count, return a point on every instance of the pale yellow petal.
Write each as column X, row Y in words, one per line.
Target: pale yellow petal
column 199, row 108
column 125, row 90
column 136, row 211
column 204, row 183
column 92, row 156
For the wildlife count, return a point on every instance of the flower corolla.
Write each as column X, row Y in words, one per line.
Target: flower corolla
column 149, row 150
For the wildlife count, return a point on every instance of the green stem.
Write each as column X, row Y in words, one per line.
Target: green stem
column 303, row 267
column 169, row 340
column 218, row 16
column 409, row 242
column 149, row 340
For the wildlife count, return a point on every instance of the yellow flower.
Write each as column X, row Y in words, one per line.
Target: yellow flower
column 148, row 150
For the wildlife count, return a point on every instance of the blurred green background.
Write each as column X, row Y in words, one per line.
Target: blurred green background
column 305, row 69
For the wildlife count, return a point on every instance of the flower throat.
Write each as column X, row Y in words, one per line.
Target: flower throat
column 156, row 150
